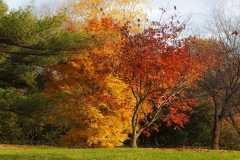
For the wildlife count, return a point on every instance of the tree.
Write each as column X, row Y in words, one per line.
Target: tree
column 27, row 44
column 93, row 107
column 4, row 8
column 157, row 67
column 222, row 87
column 120, row 11
column 221, row 84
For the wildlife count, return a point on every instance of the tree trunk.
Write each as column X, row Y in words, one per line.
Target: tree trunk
column 216, row 134
column 134, row 140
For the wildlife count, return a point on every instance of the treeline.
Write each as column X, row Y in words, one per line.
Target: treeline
column 91, row 74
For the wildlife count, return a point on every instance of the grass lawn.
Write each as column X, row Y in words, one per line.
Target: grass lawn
column 49, row 153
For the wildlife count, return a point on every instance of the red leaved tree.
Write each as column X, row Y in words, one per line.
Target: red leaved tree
column 157, row 66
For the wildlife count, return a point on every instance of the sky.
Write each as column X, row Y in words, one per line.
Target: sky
column 183, row 6
column 195, row 7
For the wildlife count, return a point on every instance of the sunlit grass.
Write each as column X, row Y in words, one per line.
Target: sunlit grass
column 48, row 153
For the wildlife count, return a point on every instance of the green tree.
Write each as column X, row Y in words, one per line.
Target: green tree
column 28, row 43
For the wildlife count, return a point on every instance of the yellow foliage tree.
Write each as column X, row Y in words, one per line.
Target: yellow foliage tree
column 121, row 11
column 95, row 108
column 101, row 119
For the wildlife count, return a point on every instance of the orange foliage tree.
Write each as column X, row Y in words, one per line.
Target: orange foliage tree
column 157, row 66
column 92, row 107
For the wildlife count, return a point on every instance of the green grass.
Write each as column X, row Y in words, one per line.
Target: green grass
column 49, row 153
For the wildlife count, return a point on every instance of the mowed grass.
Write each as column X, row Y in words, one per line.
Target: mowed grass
column 49, row 153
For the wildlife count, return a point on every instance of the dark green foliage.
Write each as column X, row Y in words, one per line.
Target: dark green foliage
column 22, row 116
column 28, row 43
column 30, row 40
column 196, row 132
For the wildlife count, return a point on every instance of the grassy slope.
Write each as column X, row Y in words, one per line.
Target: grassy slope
column 48, row 153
